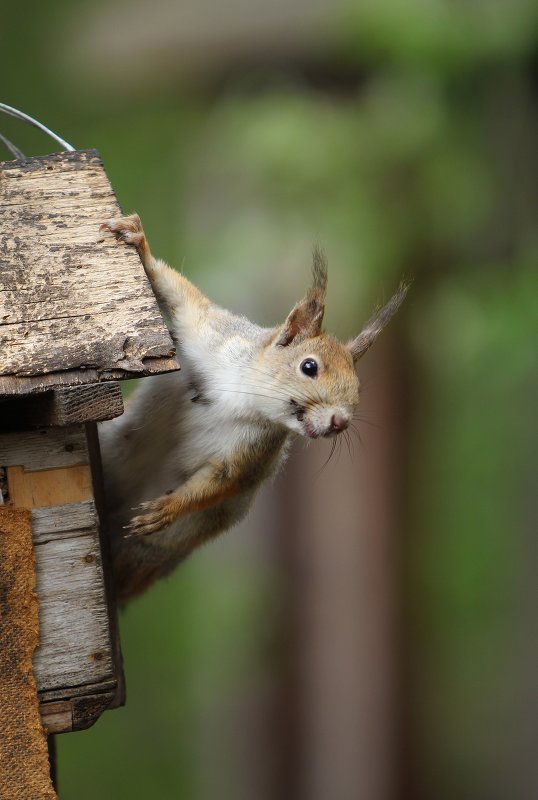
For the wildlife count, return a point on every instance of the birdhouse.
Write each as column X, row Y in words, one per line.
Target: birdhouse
column 77, row 314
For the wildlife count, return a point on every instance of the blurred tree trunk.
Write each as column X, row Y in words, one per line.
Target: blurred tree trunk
column 340, row 540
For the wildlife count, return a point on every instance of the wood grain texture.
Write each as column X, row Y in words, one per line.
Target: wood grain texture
column 76, row 656
column 72, row 301
column 76, row 714
column 75, row 642
column 57, row 717
column 53, row 695
column 109, row 578
column 63, row 522
column 44, row 449
column 88, row 708
column 62, row 406
column 17, row 385
column 50, row 487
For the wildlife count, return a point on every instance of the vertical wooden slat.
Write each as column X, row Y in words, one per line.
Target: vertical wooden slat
column 77, row 662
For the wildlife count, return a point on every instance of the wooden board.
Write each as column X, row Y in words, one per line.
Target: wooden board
column 62, row 406
column 77, row 662
column 44, row 449
column 49, row 487
column 75, row 306
column 75, row 643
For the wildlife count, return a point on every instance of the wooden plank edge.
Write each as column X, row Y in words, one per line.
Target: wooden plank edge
column 14, row 385
column 71, row 519
column 31, row 163
column 77, row 714
column 68, row 693
column 106, row 554
column 62, row 406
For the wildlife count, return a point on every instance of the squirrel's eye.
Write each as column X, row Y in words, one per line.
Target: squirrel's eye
column 309, row 367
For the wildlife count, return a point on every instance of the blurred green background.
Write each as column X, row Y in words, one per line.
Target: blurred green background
column 370, row 632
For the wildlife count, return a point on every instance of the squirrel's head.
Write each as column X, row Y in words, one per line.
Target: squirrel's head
column 312, row 372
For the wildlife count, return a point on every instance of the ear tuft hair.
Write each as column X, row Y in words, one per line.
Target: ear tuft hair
column 376, row 323
column 319, row 270
column 306, row 318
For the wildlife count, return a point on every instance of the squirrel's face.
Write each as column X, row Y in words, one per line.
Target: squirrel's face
column 311, row 373
column 316, row 381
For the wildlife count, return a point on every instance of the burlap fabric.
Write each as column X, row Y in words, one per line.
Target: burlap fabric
column 24, row 765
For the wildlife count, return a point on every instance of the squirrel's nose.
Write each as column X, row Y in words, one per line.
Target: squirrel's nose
column 338, row 423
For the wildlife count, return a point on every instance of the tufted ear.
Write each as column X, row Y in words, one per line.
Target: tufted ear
column 376, row 323
column 305, row 319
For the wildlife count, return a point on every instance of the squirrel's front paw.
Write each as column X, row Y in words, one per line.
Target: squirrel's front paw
column 157, row 515
column 126, row 229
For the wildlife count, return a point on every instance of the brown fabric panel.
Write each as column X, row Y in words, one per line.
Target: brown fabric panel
column 24, row 764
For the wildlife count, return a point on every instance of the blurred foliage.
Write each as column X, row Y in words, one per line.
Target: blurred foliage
column 442, row 37
column 427, row 169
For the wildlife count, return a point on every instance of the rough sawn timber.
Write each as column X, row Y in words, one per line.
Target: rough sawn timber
column 62, row 406
column 77, row 665
column 75, row 306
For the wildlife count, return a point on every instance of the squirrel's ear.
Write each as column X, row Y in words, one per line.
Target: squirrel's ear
column 305, row 320
column 376, row 323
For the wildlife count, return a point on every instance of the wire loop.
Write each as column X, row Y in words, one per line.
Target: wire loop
column 14, row 112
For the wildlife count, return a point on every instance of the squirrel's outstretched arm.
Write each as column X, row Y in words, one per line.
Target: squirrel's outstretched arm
column 211, row 484
column 174, row 292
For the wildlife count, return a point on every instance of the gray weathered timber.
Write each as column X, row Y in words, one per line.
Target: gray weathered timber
column 78, row 713
column 62, row 406
column 44, row 449
column 77, row 664
column 75, row 307
column 75, row 641
column 63, row 522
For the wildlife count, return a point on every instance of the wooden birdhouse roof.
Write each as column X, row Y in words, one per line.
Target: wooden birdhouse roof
column 75, row 307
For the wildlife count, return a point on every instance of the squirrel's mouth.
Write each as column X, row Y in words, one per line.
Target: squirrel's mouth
column 310, row 430
column 298, row 411
column 299, row 414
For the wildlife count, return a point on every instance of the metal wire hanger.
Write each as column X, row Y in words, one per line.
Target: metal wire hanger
column 14, row 112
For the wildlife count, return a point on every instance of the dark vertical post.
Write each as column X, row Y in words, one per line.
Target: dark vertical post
column 53, row 760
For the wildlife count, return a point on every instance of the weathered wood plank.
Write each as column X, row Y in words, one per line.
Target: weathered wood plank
column 77, row 714
column 110, row 590
column 86, row 404
column 77, row 665
column 69, row 692
column 44, row 449
column 75, row 642
column 88, row 709
column 49, row 487
column 75, row 647
column 57, row 717
column 70, row 296
column 63, row 522
column 64, row 405
column 17, row 385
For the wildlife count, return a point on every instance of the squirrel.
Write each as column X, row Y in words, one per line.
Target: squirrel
column 194, row 446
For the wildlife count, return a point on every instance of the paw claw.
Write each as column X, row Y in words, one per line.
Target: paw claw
column 154, row 519
column 127, row 230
